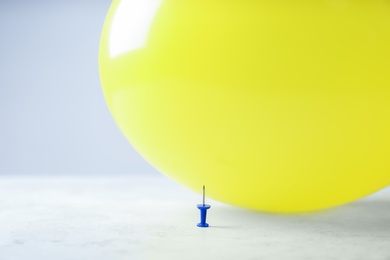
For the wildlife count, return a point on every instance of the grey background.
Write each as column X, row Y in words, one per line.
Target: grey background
column 53, row 117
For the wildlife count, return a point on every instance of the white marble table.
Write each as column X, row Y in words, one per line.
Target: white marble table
column 151, row 217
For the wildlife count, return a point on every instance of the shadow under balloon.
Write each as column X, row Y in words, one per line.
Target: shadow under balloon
column 359, row 218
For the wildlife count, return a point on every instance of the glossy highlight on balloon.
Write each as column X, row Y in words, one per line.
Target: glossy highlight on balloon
column 278, row 106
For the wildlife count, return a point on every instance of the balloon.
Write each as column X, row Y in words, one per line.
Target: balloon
column 279, row 106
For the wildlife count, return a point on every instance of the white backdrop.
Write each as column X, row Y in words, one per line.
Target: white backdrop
column 53, row 117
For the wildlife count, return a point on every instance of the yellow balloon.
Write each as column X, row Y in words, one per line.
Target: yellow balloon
column 274, row 105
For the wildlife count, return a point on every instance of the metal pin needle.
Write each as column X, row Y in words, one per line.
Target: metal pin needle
column 203, row 195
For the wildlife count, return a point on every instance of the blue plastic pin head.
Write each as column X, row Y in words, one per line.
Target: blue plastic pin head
column 203, row 211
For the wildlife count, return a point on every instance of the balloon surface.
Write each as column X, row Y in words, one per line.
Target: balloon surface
column 274, row 105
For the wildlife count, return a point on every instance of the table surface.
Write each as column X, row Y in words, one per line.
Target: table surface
column 152, row 217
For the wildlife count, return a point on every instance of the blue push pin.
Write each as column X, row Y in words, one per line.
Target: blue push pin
column 203, row 211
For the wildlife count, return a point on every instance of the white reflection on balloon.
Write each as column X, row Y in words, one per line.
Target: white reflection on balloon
column 130, row 25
